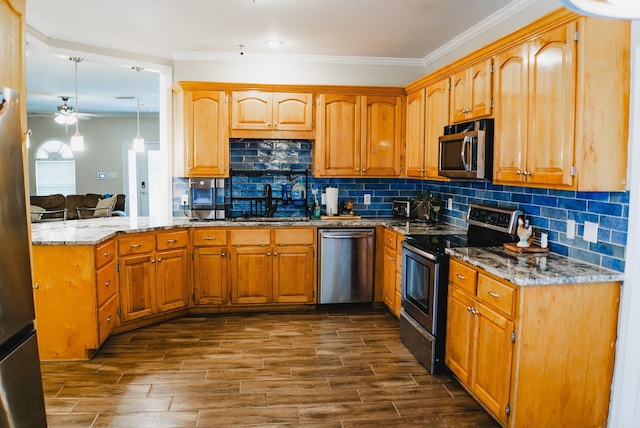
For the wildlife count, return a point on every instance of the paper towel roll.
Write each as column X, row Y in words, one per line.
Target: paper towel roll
column 332, row 200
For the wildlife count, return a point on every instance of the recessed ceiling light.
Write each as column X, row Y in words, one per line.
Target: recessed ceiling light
column 273, row 43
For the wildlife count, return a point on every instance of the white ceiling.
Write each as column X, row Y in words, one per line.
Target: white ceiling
column 168, row 30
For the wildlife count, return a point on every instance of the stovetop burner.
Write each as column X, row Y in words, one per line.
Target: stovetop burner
column 488, row 226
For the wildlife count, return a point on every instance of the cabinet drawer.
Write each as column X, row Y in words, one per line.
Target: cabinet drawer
column 294, row 236
column 250, row 237
column 171, row 240
column 105, row 252
column 136, row 244
column 390, row 238
column 107, row 319
column 463, row 276
column 209, row 237
column 496, row 294
column 106, row 283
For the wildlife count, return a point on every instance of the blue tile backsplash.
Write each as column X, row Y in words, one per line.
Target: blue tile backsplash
column 546, row 209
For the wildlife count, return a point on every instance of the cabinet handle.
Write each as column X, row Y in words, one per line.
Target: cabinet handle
column 107, row 254
column 35, row 286
column 136, row 245
column 461, row 277
column 209, row 238
column 109, row 318
column 493, row 294
column 107, row 283
column 171, row 241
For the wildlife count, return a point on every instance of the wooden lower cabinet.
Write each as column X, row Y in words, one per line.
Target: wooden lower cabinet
column 392, row 270
column 272, row 265
column 210, row 267
column 532, row 355
column 154, row 274
column 75, row 296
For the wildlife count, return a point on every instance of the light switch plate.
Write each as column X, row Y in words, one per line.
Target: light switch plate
column 571, row 229
column 367, row 198
column 450, row 204
column 590, row 231
column 184, row 199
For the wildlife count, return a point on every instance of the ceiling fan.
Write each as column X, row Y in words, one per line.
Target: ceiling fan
column 66, row 115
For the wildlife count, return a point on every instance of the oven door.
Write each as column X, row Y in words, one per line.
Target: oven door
column 420, row 273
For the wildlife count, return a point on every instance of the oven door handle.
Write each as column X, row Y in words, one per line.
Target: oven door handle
column 419, row 252
column 345, row 236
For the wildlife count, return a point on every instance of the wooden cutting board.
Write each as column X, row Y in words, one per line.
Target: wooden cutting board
column 531, row 249
column 340, row 217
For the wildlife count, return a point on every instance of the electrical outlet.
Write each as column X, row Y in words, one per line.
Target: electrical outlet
column 590, row 232
column 450, row 204
column 184, row 200
column 367, row 198
column 571, row 229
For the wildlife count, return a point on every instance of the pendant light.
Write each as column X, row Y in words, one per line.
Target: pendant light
column 77, row 141
column 616, row 9
column 138, row 142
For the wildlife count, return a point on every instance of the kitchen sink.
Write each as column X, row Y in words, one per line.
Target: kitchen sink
column 270, row 219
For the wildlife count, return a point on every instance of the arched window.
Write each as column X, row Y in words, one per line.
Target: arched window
column 55, row 168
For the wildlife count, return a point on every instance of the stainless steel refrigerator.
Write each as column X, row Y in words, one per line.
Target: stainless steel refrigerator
column 21, row 397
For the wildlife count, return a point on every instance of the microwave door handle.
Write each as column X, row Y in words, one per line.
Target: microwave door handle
column 463, row 152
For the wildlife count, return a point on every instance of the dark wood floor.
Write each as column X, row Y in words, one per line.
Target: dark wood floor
column 318, row 369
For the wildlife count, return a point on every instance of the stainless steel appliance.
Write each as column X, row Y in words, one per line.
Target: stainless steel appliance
column 206, row 199
column 466, row 150
column 346, row 265
column 425, row 267
column 21, row 397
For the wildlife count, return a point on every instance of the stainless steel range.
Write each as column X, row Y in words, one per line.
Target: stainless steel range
column 425, row 267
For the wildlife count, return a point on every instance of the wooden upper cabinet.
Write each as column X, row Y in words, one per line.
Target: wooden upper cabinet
column 437, row 117
column 358, row 135
column 381, row 136
column 415, row 143
column 12, row 15
column 287, row 114
column 535, row 93
column 338, row 133
column 471, row 92
column 201, row 143
column 561, row 116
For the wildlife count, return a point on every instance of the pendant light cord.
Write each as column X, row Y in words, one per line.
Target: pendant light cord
column 138, row 70
column 76, row 60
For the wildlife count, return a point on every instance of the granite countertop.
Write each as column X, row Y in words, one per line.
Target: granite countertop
column 94, row 231
column 534, row 268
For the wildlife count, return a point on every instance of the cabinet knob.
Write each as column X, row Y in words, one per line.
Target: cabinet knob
column 268, row 254
column 107, row 283
column 358, row 169
column 36, row 286
column 153, row 261
column 109, row 318
column 469, row 309
column 393, row 259
column 159, row 259
column 223, row 254
column 275, row 254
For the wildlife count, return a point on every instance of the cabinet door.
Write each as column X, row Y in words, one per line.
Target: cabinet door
column 337, row 146
column 389, row 284
column 207, row 126
column 552, row 78
column 251, row 274
column 12, row 33
column 172, row 279
column 491, row 370
column 137, row 286
column 511, row 114
column 415, row 142
column 471, row 92
column 437, row 117
column 210, row 276
column 292, row 112
column 251, row 110
column 293, row 273
column 381, row 136
column 460, row 330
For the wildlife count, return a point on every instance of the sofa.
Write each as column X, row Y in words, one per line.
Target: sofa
column 41, row 206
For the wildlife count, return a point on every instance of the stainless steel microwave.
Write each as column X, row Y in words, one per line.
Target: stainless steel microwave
column 466, row 151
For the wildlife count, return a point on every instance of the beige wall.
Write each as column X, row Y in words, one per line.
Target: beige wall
column 103, row 139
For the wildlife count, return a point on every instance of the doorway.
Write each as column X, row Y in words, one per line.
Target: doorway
column 143, row 180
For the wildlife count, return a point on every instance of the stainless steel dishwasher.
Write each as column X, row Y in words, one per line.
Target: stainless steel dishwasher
column 346, row 265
